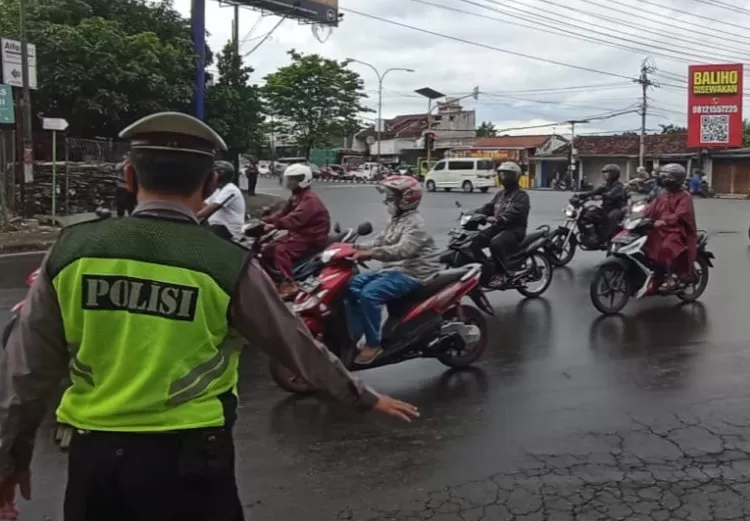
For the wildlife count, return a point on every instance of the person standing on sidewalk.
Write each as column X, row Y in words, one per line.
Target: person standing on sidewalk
column 140, row 314
column 124, row 199
column 252, row 173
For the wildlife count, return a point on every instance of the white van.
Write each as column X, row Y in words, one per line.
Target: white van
column 468, row 174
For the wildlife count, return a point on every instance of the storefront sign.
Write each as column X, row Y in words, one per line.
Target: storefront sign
column 715, row 106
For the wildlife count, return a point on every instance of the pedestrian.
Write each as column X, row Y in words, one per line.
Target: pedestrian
column 125, row 200
column 252, row 173
column 137, row 314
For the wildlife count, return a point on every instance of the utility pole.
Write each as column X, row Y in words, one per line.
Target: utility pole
column 28, row 140
column 571, row 156
column 645, row 82
column 236, row 34
column 237, row 62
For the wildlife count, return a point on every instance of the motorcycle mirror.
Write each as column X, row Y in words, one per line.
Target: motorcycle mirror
column 458, row 204
column 337, row 228
column 364, row 228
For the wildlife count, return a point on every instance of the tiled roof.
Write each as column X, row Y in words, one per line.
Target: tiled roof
column 629, row 145
column 510, row 142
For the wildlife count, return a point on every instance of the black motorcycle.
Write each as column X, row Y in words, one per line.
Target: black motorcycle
column 528, row 270
column 586, row 226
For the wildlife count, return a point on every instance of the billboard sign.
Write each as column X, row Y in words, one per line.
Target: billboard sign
column 715, row 106
column 324, row 12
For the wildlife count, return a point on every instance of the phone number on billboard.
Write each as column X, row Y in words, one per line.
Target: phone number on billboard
column 715, row 109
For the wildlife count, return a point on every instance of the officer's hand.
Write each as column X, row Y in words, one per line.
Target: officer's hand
column 492, row 220
column 396, row 408
column 659, row 224
column 8, row 484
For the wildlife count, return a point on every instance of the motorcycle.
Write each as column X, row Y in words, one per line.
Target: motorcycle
column 629, row 273
column 310, row 264
column 429, row 322
column 529, row 257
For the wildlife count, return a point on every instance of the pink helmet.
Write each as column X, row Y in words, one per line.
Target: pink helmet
column 408, row 189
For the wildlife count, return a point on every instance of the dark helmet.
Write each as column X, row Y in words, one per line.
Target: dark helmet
column 225, row 171
column 672, row 176
column 611, row 172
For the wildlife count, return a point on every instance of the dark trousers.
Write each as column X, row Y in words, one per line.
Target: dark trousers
column 614, row 217
column 152, row 477
column 502, row 243
column 221, row 230
column 125, row 201
column 252, row 182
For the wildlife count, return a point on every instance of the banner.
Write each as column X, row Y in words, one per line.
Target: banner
column 325, row 12
column 715, row 106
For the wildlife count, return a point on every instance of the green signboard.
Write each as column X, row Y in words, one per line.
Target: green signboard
column 7, row 115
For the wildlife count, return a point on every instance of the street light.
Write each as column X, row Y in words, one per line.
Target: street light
column 381, row 77
column 430, row 94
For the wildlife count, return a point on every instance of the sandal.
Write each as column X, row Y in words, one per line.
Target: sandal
column 363, row 359
column 670, row 284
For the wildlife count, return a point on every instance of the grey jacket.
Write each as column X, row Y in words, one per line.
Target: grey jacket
column 406, row 246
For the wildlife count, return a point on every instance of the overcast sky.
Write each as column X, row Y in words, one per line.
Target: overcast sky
column 515, row 91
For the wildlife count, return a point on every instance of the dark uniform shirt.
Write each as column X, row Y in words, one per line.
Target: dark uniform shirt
column 36, row 358
column 510, row 208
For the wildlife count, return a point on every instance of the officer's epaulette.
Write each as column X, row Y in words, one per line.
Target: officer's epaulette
column 100, row 215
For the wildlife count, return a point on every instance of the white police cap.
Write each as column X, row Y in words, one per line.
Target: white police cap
column 173, row 131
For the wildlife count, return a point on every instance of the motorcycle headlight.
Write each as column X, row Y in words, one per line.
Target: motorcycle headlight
column 465, row 219
column 570, row 211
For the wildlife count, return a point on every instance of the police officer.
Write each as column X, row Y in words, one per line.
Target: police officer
column 139, row 314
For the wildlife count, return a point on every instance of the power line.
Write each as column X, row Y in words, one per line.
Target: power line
column 574, row 22
column 724, row 5
column 545, row 24
column 703, row 18
column 641, row 12
column 486, row 46
column 266, row 37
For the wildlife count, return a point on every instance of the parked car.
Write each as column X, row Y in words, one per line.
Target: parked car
column 468, row 174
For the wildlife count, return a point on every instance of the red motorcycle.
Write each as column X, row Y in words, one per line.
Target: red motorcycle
column 430, row 322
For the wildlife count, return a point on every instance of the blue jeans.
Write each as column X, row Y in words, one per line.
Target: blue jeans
column 367, row 294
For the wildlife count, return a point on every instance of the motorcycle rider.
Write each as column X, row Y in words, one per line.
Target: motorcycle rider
column 614, row 197
column 225, row 207
column 306, row 219
column 508, row 216
column 674, row 241
column 408, row 254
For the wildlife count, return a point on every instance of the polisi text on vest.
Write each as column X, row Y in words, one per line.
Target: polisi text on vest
column 140, row 296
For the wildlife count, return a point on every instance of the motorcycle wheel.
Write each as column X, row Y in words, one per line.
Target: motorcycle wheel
column 288, row 380
column 701, row 269
column 557, row 256
column 471, row 316
column 613, row 271
column 541, row 262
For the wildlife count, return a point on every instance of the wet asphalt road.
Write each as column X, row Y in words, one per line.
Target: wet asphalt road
column 568, row 416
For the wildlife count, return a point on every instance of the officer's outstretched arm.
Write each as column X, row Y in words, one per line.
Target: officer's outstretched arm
column 31, row 369
column 265, row 321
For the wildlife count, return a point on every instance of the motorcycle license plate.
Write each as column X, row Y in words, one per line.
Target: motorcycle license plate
column 309, row 285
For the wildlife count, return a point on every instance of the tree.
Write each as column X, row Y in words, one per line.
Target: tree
column 105, row 63
column 486, row 129
column 315, row 98
column 672, row 129
column 233, row 106
column 745, row 133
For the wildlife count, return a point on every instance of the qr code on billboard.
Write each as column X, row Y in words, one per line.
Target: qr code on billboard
column 715, row 129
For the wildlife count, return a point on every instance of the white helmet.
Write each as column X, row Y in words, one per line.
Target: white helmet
column 510, row 166
column 302, row 171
